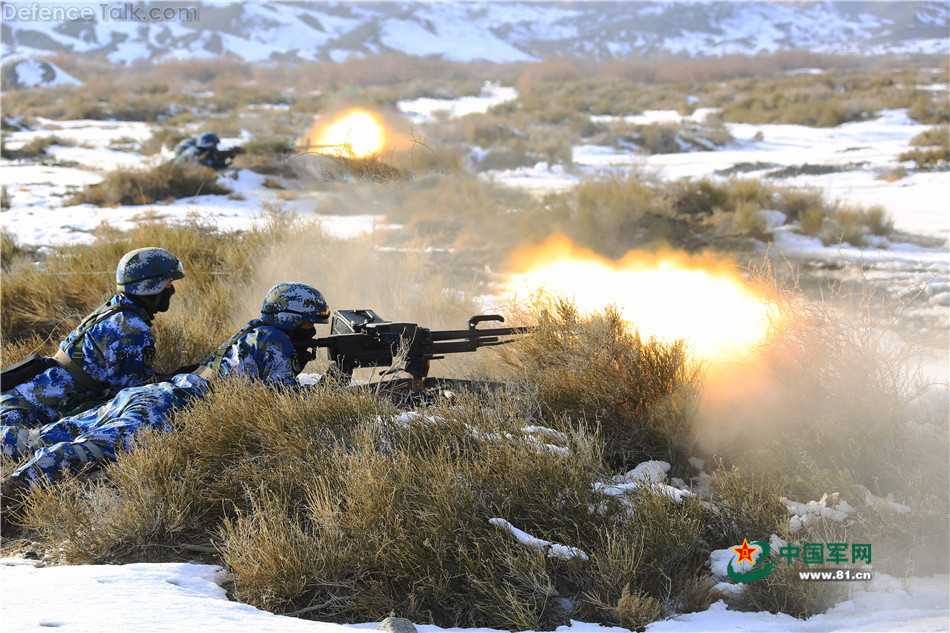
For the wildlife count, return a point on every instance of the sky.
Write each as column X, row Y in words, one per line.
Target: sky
column 150, row 598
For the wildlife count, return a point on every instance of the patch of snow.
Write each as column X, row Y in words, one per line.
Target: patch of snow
column 553, row 550
column 31, row 73
column 424, row 109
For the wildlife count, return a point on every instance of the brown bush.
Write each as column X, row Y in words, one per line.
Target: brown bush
column 146, row 185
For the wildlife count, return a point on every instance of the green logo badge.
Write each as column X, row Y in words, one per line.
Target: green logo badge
column 744, row 552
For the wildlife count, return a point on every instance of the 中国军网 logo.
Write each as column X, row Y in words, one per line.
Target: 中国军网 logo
column 808, row 553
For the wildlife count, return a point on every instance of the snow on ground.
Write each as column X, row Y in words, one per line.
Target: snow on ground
column 30, row 73
column 424, row 110
column 158, row 597
column 173, row 597
column 918, row 203
column 81, row 131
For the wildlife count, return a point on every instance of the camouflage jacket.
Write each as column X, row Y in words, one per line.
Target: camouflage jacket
column 117, row 352
column 258, row 352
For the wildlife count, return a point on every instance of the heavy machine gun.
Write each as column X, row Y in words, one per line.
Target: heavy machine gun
column 361, row 338
column 220, row 158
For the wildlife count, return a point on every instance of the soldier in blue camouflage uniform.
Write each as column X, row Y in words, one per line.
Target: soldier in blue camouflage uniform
column 72, row 443
column 203, row 150
column 112, row 349
column 264, row 348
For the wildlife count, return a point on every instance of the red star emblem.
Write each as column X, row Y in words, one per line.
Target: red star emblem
column 745, row 551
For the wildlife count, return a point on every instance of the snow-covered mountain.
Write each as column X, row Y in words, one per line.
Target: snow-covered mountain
column 463, row 31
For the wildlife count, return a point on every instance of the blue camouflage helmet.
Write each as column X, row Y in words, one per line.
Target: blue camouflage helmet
column 146, row 271
column 208, row 140
column 288, row 304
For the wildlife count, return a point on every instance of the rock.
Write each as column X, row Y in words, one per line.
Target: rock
column 397, row 625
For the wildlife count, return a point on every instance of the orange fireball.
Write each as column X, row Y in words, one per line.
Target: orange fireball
column 668, row 296
column 355, row 133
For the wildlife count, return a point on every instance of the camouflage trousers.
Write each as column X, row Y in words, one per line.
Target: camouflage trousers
column 72, row 443
column 38, row 401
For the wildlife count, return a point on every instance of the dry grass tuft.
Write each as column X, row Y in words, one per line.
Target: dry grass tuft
column 639, row 394
column 146, row 185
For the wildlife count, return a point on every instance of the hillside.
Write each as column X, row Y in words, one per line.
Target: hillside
column 498, row 32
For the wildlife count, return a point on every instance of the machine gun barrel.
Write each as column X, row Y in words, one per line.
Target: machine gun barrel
column 360, row 338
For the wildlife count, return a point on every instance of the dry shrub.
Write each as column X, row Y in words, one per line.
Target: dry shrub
column 824, row 100
column 927, row 157
column 138, row 514
column 273, row 557
column 36, row 147
column 202, row 71
column 724, row 67
column 784, row 592
column 733, row 207
column 424, row 548
column 635, row 611
column 746, row 504
column 854, row 225
column 643, row 561
column 267, row 155
column 513, row 586
column 639, row 394
column 118, row 95
column 748, row 220
column 930, row 148
column 806, row 206
column 613, row 216
column 15, row 350
column 551, row 70
column 929, row 108
column 146, row 185
column 10, row 248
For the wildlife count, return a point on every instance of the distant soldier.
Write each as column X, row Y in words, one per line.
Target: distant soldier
column 264, row 348
column 203, row 150
column 113, row 348
column 74, row 443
